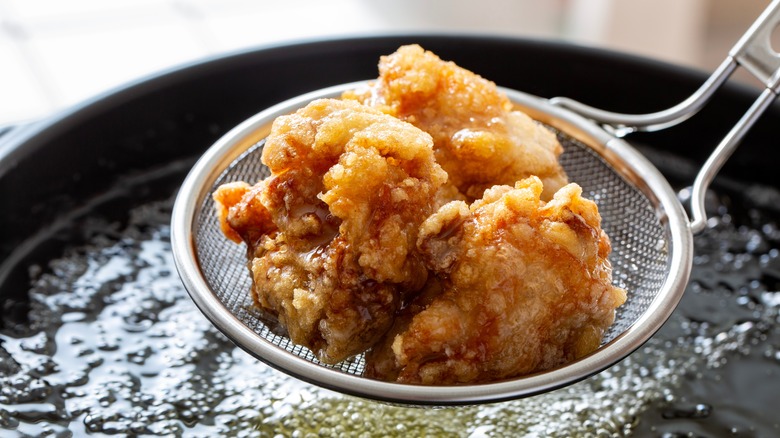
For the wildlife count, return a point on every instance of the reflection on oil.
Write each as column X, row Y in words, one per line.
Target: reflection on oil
column 115, row 346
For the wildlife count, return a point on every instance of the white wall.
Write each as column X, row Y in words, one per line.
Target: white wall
column 54, row 53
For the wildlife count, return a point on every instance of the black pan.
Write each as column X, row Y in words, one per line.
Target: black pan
column 135, row 144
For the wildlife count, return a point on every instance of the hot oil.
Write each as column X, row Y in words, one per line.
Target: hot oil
column 114, row 345
column 729, row 320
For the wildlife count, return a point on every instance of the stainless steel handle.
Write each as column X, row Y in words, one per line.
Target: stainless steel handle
column 621, row 124
column 753, row 52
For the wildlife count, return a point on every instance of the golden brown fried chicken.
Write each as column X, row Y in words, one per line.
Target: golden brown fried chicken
column 332, row 232
column 478, row 139
column 525, row 286
column 356, row 215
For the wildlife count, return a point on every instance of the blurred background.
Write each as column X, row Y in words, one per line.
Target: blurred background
column 55, row 53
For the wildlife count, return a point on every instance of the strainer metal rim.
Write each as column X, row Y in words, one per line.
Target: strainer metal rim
column 615, row 151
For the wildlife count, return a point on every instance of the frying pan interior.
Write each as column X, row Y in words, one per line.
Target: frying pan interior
column 135, row 144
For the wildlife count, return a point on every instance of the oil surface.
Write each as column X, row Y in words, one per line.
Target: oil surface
column 115, row 346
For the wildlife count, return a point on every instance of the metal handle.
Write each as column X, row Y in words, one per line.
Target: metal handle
column 720, row 155
column 754, row 52
column 621, row 124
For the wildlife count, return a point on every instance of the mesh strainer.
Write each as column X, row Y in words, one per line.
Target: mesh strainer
column 649, row 229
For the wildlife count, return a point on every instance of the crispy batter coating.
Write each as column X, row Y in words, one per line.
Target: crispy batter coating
column 478, row 139
column 332, row 232
column 525, row 286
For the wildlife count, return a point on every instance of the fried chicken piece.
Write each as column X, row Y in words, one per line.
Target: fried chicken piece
column 331, row 234
column 478, row 139
column 525, row 287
